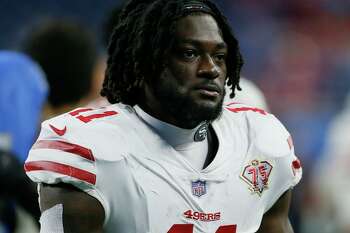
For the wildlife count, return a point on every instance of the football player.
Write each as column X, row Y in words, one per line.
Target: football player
column 166, row 155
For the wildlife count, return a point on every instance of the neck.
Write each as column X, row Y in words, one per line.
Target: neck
column 175, row 136
column 158, row 113
column 154, row 108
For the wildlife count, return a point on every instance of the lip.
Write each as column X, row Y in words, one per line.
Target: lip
column 208, row 93
column 212, row 90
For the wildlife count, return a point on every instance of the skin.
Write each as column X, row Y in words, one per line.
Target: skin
column 191, row 87
column 276, row 219
column 194, row 68
column 81, row 212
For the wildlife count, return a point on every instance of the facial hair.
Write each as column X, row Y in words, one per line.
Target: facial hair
column 183, row 107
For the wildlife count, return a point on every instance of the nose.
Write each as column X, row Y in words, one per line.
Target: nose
column 207, row 68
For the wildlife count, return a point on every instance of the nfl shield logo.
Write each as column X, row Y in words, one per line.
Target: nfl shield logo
column 199, row 188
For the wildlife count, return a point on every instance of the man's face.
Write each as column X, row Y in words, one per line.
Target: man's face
column 190, row 88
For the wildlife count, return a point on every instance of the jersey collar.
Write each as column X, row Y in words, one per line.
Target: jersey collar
column 174, row 135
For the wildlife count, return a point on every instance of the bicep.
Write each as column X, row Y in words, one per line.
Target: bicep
column 81, row 212
column 276, row 219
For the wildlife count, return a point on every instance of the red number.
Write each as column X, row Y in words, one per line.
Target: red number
column 188, row 228
column 227, row 229
column 78, row 111
column 263, row 173
column 188, row 213
column 181, row 228
column 88, row 118
column 244, row 109
column 252, row 171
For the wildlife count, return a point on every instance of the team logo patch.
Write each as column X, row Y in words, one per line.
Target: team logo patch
column 201, row 132
column 256, row 175
column 199, row 188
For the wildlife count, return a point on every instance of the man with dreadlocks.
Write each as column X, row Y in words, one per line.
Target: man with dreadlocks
column 166, row 156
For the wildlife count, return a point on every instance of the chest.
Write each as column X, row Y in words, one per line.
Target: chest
column 167, row 195
column 159, row 191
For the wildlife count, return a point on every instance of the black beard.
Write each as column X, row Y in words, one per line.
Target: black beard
column 184, row 108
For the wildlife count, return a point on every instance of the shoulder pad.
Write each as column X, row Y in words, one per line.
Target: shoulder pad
column 80, row 123
column 265, row 131
column 270, row 136
column 70, row 145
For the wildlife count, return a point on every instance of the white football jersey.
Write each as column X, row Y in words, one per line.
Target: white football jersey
column 145, row 186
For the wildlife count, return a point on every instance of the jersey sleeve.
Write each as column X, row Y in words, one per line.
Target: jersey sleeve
column 62, row 154
column 272, row 146
column 277, row 144
column 286, row 174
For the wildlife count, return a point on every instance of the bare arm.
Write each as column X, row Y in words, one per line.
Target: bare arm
column 276, row 219
column 82, row 213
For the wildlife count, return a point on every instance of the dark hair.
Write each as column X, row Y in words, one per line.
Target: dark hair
column 143, row 36
column 67, row 53
column 108, row 25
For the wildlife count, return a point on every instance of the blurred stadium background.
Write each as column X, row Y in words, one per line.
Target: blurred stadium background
column 296, row 51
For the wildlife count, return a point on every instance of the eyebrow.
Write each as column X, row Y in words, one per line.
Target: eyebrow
column 221, row 45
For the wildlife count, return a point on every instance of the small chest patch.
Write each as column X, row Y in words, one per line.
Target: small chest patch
column 199, row 188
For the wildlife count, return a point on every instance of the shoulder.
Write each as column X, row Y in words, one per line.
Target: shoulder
column 263, row 129
column 270, row 151
column 250, row 94
column 71, row 146
column 76, row 147
column 86, row 123
column 88, row 117
column 93, row 129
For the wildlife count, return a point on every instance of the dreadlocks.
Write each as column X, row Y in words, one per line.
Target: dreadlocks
column 142, row 37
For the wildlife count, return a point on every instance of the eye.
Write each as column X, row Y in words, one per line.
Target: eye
column 220, row 57
column 189, row 54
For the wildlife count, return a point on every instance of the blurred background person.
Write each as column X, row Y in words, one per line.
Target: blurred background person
column 107, row 26
column 331, row 177
column 23, row 92
column 67, row 52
